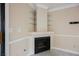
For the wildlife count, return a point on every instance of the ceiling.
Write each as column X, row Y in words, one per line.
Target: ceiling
column 55, row 5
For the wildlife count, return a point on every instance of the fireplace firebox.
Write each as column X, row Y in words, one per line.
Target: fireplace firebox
column 42, row 44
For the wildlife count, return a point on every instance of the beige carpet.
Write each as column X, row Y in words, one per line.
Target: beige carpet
column 54, row 53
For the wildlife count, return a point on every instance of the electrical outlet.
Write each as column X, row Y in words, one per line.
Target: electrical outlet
column 24, row 50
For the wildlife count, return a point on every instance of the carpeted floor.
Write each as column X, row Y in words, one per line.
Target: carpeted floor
column 54, row 53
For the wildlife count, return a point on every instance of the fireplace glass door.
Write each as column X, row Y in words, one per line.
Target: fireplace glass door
column 42, row 44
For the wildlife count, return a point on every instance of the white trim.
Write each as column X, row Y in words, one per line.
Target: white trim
column 34, row 34
column 37, row 5
column 20, row 39
column 60, row 8
column 66, row 35
column 66, row 50
column 30, row 53
column 6, row 29
column 41, row 6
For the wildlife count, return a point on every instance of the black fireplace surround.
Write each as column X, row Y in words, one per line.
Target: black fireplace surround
column 42, row 44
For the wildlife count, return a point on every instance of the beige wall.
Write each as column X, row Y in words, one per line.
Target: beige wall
column 21, row 20
column 66, row 35
column 41, row 19
column 17, row 49
column 21, row 24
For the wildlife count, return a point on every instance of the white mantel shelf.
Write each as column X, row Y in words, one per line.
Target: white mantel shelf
column 41, row 34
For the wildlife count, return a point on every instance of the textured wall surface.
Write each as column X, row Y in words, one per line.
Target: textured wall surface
column 66, row 35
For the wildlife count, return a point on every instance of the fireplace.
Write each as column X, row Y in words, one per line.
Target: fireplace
column 42, row 44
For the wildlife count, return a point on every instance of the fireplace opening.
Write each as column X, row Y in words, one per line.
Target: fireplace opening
column 42, row 44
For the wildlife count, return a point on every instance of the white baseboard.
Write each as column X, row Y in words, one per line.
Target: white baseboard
column 30, row 52
column 65, row 50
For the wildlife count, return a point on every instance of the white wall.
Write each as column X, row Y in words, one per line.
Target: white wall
column 66, row 35
column 21, row 19
column 22, row 24
column 17, row 47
